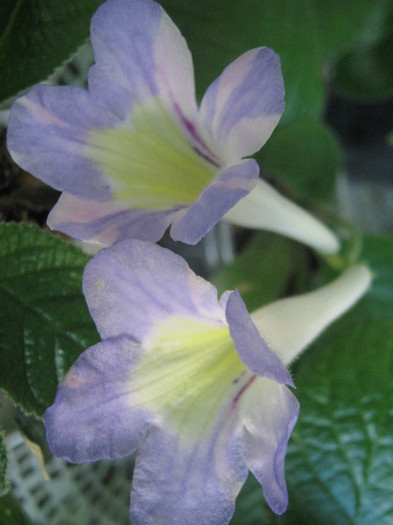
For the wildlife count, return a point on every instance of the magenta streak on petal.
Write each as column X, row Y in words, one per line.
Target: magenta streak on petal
column 242, row 390
column 190, row 126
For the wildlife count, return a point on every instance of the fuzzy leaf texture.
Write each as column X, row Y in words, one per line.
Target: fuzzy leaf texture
column 44, row 321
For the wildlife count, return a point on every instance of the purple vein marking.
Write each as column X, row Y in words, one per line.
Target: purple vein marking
column 190, row 126
column 243, row 389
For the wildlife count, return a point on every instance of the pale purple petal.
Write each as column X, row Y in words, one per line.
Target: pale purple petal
column 242, row 107
column 139, row 54
column 231, row 185
column 46, row 137
column 133, row 285
column 252, row 349
column 107, row 222
column 269, row 412
column 187, row 482
column 92, row 416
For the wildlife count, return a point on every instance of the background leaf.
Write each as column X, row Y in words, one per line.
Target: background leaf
column 339, row 465
column 365, row 73
column 44, row 321
column 36, row 36
column 304, row 156
column 265, row 269
column 305, row 33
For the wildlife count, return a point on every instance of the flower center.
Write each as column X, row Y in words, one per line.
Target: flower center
column 189, row 371
column 149, row 161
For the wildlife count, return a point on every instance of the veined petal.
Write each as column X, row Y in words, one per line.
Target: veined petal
column 139, row 54
column 46, row 137
column 177, row 383
column 149, row 160
column 187, row 482
column 157, row 282
column 231, row 185
column 268, row 412
column 107, row 222
column 289, row 325
column 242, row 107
column 266, row 209
column 92, row 416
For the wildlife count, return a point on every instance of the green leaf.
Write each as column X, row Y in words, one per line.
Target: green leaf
column 305, row 157
column 3, row 466
column 38, row 35
column 44, row 321
column 378, row 252
column 366, row 74
column 341, row 26
column 339, row 465
column 263, row 271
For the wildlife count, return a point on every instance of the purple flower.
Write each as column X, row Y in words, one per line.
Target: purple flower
column 187, row 381
column 135, row 154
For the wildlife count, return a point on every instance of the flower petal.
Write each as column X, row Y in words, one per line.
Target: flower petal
column 225, row 191
column 269, row 412
column 289, row 325
column 187, row 482
column 46, row 133
column 250, row 346
column 150, row 160
column 144, row 56
column 241, row 108
column 107, row 222
column 154, row 281
column 91, row 417
column 266, row 209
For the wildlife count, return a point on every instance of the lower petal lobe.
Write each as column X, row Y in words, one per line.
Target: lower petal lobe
column 107, row 222
column 177, row 481
column 268, row 412
column 91, row 417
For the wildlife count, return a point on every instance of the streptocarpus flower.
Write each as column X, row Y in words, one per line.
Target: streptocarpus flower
column 187, row 381
column 135, row 154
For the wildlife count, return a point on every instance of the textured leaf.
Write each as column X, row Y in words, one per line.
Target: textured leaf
column 339, row 465
column 38, row 35
column 44, row 322
column 304, row 156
